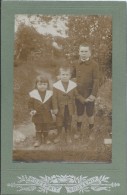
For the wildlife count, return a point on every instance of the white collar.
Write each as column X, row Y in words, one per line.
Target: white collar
column 85, row 60
column 35, row 94
column 59, row 85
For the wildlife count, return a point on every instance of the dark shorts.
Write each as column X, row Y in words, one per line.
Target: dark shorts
column 89, row 107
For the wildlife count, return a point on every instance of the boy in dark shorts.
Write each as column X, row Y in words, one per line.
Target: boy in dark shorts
column 86, row 72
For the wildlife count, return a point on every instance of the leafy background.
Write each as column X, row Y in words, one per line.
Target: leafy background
column 43, row 42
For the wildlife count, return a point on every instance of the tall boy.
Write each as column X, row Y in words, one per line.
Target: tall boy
column 63, row 101
column 87, row 76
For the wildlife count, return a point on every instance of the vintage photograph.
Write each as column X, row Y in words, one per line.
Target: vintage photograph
column 62, row 107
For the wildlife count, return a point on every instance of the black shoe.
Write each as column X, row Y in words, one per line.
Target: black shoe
column 91, row 126
column 57, row 140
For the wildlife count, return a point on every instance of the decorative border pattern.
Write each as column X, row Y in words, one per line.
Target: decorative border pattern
column 56, row 182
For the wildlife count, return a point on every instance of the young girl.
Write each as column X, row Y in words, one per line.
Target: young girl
column 40, row 109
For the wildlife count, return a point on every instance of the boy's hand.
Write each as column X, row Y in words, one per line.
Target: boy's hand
column 33, row 112
column 55, row 111
column 91, row 98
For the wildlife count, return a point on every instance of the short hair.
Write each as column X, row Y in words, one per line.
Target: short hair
column 86, row 45
column 42, row 79
column 65, row 68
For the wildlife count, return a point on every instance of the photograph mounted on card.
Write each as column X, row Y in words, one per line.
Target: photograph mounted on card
column 63, row 109
column 63, row 88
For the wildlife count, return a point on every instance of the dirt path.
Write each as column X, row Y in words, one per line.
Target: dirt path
column 90, row 148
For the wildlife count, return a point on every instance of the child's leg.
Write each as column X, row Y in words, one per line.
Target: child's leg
column 79, row 127
column 38, row 127
column 45, row 133
column 91, row 122
column 80, row 114
column 46, row 139
column 90, row 114
column 67, row 124
column 68, row 134
column 59, row 125
column 59, row 134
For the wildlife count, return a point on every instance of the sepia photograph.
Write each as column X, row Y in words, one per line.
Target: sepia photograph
column 62, row 88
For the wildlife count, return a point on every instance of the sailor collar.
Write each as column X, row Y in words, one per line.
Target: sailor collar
column 87, row 61
column 59, row 85
column 35, row 94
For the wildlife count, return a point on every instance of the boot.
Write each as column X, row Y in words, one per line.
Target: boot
column 47, row 141
column 69, row 140
column 57, row 139
column 46, row 138
column 91, row 126
column 59, row 135
column 68, row 135
column 91, row 130
column 38, row 139
column 77, row 135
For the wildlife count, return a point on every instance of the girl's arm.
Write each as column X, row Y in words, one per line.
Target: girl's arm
column 31, row 106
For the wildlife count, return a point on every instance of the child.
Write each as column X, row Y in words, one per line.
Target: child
column 64, row 94
column 40, row 109
column 87, row 76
